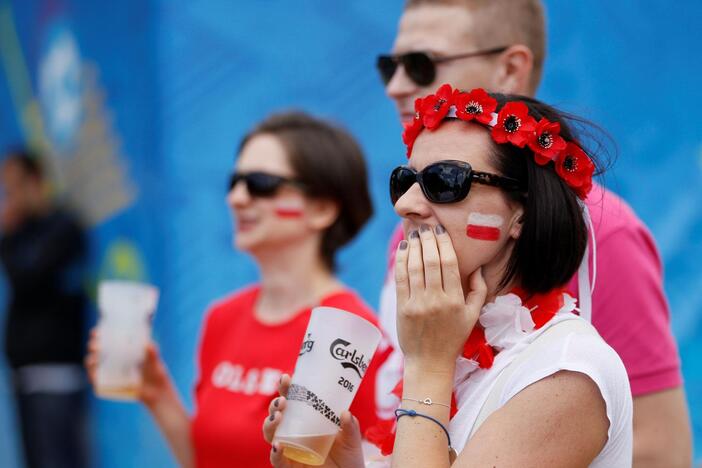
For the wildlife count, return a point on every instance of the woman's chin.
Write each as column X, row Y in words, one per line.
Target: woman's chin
column 244, row 242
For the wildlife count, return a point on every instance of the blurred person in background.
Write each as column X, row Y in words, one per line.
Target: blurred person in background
column 298, row 193
column 500, row 45
column 42, row 250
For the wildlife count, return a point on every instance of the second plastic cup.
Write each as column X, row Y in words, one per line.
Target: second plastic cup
column 334, row 356
column 124, row 329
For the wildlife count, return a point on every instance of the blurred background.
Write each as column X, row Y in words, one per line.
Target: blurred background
column 141, row 105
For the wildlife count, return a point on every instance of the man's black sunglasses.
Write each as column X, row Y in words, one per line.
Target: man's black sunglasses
column 445, row 181
column 261, row 184
column 421, row 66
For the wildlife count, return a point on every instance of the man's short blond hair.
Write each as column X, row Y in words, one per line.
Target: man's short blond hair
column 504, row 22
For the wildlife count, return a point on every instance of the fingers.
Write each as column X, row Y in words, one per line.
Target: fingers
column 350, row 435
column 277, row 458
column 284, row 385
column 415, row 266
column 91, row 358
column 275, row 415
column 276, row 405
column 430, row 258
column 152, row 352
column 275, row 408
column 449, row 263
column 401, row 278
column 478, row 291
column 91, row 362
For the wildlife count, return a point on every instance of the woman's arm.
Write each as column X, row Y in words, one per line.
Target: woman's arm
column 161, row 398
column 560, row 420
column 434, row 319
column 420, row 442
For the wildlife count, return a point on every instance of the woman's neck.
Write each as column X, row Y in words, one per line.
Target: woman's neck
column 292, row 279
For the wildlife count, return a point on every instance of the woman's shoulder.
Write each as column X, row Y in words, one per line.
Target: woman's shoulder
column 347, row 299
column 581, row 350
column 581, row 358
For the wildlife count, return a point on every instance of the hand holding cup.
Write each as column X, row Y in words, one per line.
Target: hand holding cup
column 346, row 452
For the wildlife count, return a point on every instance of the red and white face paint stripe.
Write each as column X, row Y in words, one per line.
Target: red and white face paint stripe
column 484, row 226
column 289, row 208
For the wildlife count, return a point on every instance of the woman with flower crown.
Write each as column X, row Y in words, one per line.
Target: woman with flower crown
column 500, row 369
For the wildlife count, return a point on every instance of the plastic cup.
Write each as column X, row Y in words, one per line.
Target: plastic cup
column 334, row 356
column 124, row 328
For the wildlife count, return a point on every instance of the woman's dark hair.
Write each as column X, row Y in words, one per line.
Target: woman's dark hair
column 330, row 164
column 554, row 234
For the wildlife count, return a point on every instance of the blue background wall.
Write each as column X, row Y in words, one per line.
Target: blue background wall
column 173, row 85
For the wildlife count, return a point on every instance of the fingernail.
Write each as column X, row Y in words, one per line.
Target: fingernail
column 424, row 228
column 274, row 449
column 414, row 235
column 272, row 417
column 440, row 229
column 403, row 244
column 275, row 403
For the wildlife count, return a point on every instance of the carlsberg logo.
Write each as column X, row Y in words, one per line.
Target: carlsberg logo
column 307, row 345
column 350, row 358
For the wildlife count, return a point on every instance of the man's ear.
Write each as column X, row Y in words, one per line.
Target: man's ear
column 322, row 213
column 516, row 223
column 513, row 74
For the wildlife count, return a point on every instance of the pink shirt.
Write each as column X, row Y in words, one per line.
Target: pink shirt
column 629, row 308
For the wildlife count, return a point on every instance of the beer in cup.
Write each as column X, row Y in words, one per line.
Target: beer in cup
column 124, row 330
column 335, row 353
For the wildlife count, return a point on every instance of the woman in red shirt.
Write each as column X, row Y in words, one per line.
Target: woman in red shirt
column 298, row 193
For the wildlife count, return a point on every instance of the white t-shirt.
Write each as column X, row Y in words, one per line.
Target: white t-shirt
column 578, row 352
column 585, row 353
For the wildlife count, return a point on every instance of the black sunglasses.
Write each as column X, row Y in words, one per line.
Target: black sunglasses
column 421, row 66
column 261, row 184
column 445, row 181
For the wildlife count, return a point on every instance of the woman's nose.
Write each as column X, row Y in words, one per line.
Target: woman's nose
column 238, row 195
column 412, row 204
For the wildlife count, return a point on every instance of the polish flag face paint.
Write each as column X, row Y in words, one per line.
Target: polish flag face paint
column 289, row 208
column 484, row 227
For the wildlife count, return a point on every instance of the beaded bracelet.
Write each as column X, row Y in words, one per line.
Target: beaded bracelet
column 412, row 413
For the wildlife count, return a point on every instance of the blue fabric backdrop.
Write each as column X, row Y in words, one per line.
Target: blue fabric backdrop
column 158, row 93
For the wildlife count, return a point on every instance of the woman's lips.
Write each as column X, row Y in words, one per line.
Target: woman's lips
column 245, row 223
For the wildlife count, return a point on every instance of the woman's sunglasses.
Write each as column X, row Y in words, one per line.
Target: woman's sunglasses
column 445, row 181
column 261, row 184
column 421, row 66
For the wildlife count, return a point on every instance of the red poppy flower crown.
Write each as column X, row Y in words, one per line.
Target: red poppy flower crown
column 512, row 124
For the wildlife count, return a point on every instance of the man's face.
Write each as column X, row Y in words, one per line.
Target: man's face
column 441, row 30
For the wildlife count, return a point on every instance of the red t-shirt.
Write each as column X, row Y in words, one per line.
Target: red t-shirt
column 241, row 360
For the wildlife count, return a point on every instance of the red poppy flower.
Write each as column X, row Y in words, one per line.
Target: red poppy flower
column 576, row 168
column 478, row 349
column 514, row 125
column 477, row 105
column 548, row 142
column 412, row 131
column 436, row 106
